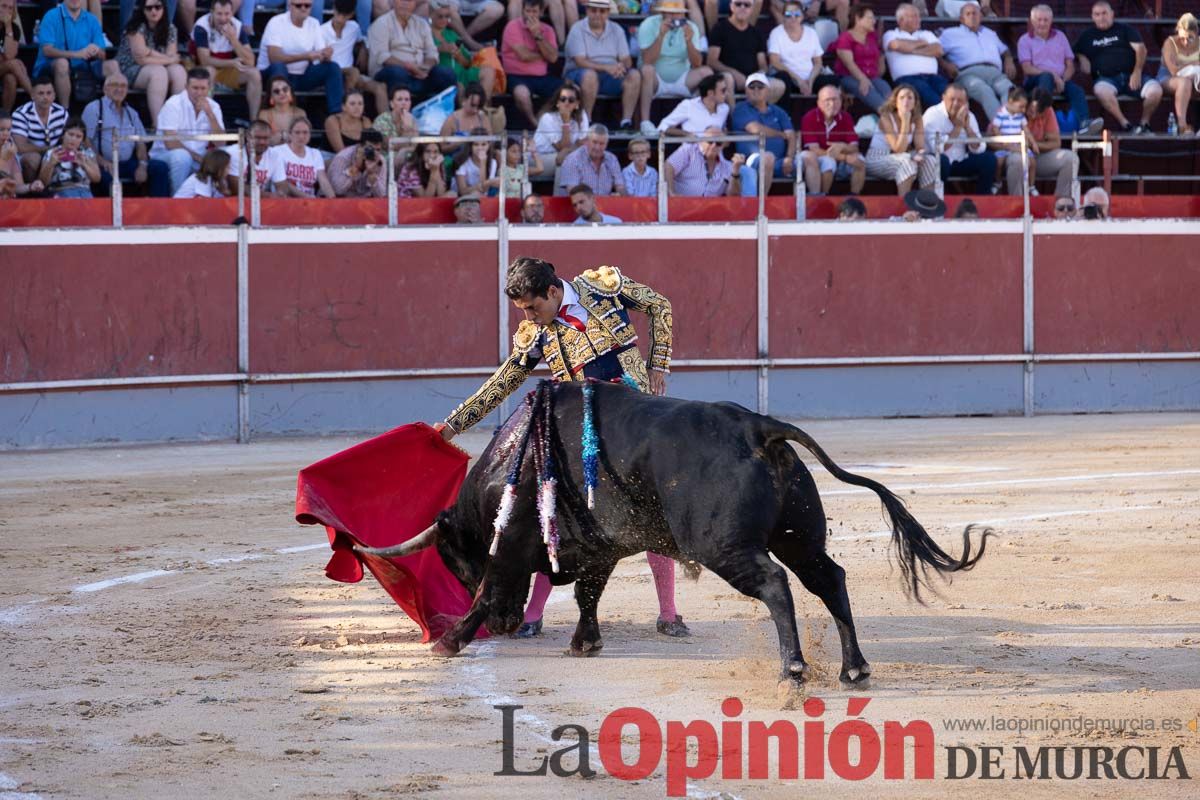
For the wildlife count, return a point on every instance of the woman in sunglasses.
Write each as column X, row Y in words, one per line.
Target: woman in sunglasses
column 561, row 127
column 148, row 56
column 281, row 109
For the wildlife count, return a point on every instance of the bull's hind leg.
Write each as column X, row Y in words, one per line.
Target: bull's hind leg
column 755, row 575
column 825, row 578
column 588, row 588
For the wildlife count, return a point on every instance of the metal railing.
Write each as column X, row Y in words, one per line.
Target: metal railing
column 118, row 192
column 396, row 142
column 664, row 140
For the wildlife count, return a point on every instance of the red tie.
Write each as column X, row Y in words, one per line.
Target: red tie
column 574, row 322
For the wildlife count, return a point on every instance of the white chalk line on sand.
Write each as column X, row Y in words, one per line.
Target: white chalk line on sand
column 8, row 783
column 1081, row 478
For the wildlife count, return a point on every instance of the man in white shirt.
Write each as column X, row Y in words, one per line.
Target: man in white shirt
column 293, row 46
column 697, row 114
column 191, row 111
column 223, row 45
column 343, row 33
column 912, row 56
column 264, row 158
column 950, row 122
column 975, row 56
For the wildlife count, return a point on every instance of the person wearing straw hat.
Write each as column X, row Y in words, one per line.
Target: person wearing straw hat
column 672, row 58
column 598, row 61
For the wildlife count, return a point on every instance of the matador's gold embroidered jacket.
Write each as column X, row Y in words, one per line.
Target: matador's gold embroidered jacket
column 606, row 348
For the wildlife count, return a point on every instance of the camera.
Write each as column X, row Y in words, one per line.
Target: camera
column 369, row 152
column 676, row 23
column 1092, row 212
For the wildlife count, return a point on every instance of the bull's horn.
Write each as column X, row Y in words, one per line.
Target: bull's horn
column 424, row 539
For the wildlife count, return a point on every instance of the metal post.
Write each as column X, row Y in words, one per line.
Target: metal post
column 763, row 257
column 241, row 212
column 393, row 212
column 255, row 190
column 800, row 190
column 938, row 185
column 662, row 181
column 243, row 329
column 1027, row 283
column 118, row 194
column 762, row 177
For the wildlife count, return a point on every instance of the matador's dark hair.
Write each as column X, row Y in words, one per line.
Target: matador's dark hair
column 530, row 276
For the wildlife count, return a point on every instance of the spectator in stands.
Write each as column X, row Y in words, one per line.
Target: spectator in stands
column 830, row 145
column 467, row 211
column 469, row 116
column 453, row 54
column 1180, row 68
column 70, row 169
column 714, row 8
column 593, row 165
column 533, row 211
column 300, row 169
column 264, row 158
column 737, row 49
column 922, row 204
column 952, row 9
column 360, row 171
column 1048, row 61
column 69, row 39
column 424, row 174
column 191, row 112
column 13, row 74
column 477, row 168
column 1095, row 204
column 223, row 46
column 560, row 128
column 1050, row 158
column 110, row 116
column 697, row 114
column 346, row 128
column 898, row 150
column 344, row 34
column 1010, row 121
column 1114, row 54
column 38, row 126
column 947, row 125
column 149, row 55
column 672, row 62
column 398, row 119
column 1064, row 208
column 521, row 160
column 281, row 108
column 966, row 209
column 825, row 28
column 975, row 56
column 583, row 200
column 858, row 57
column 598, row 61
column 912, row 55
column 760, row 118
column 528, row 48
column 485, row 13
column 641, row 179
column 699, row 169
column 794, row 51
column 851, row 209
column 563, row 15
column 246, row 9
column 10, row 160
column 210, row 180
column 293, row 46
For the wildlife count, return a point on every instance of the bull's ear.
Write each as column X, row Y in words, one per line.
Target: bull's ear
column 424, row 539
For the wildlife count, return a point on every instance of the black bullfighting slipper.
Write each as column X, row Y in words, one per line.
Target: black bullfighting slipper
column 528, row 630
column 673, row 628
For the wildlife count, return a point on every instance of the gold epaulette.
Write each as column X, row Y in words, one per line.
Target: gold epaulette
column 606, row 281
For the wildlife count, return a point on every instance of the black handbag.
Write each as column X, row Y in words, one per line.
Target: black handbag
column 85, row 86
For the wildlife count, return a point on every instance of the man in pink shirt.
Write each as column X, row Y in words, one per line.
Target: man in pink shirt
column 527, row 49
column 1048, row 61
column 830, row 145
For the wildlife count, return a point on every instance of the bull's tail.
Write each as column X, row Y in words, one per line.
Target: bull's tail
column 915, row 550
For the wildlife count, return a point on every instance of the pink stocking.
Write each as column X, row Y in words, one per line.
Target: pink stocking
column 537, row 599
column 664, row 583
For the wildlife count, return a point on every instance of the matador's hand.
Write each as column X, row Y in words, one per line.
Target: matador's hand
column 658, row 382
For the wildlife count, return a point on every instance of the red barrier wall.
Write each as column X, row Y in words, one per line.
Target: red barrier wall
column 400, row 305
column 895, row 295
column 84, row 312
column 710, row 282
column 1116, row 294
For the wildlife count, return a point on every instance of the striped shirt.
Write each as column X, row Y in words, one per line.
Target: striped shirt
column 641, row 185
column 691, row 173
column 27, row 123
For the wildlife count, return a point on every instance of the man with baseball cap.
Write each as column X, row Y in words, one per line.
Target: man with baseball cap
column 760, row 118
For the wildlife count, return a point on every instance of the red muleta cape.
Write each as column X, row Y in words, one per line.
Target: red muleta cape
column 382, row 492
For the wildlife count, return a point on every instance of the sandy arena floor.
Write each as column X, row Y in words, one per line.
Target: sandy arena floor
column 166, row 630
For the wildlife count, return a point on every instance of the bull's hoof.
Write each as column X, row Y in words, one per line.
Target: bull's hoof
column 446, row 649
column 586, row 649
column 856, row 678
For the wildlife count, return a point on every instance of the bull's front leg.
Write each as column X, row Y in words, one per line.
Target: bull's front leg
column 588, row 588
column 463, row 631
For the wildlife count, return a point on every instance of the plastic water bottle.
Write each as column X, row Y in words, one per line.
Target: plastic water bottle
column 1172, row 125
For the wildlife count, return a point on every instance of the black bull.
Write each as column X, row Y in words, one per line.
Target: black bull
column 709, row 482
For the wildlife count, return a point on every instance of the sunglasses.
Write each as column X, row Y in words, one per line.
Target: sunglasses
column 281, row 90
column 740, row 5
column 1066, row 207
column 793, row 14
column 635, row 153
column 149, row 7
column 566, row 99
column 301, row 5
